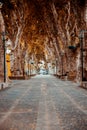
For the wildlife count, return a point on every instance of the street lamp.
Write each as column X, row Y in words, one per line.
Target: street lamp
column 28, row 68
column 81, row 45
column 56, row 65
column 62, row 53
column 31, row 63
column 83, row 51
column 3, row 39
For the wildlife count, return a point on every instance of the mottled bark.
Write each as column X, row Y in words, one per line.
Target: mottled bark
column 30, row 23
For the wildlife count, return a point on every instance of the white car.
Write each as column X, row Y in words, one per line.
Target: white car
column 43, row 71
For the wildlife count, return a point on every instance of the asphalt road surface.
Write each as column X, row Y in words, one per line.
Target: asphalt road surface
column 43, row 103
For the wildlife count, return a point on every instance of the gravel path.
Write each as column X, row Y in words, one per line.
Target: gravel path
column 43, row 103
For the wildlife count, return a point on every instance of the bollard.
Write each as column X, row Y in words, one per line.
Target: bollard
column 2, row 86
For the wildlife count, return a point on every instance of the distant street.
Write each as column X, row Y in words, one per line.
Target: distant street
column 43, row 103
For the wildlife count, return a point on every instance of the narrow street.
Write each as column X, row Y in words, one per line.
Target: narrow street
column 43, row 103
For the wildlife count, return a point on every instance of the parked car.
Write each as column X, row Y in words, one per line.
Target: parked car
column 43, row 71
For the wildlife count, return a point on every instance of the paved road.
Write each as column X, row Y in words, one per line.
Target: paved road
column 43, row 103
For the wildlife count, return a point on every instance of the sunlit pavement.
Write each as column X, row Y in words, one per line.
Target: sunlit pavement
column 43, row 103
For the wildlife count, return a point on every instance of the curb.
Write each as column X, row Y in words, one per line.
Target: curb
column 84, row 85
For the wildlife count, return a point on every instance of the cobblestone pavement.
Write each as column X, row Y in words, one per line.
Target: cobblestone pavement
column 43, row 103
